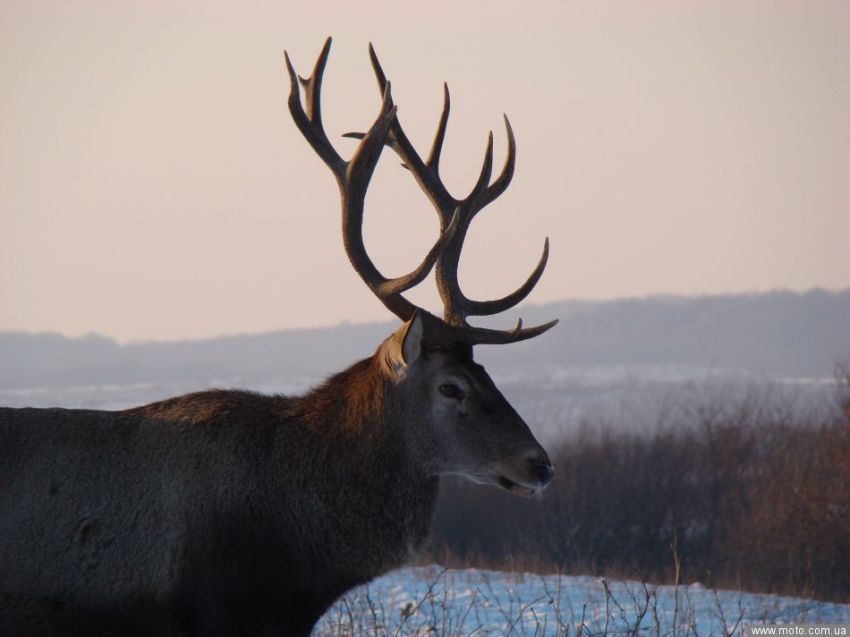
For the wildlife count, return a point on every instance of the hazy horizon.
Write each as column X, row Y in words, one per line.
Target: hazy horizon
column 532, row 313
column 522, row 310
column 153, row 186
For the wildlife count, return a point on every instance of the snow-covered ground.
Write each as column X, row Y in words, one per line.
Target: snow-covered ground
column 451, row 603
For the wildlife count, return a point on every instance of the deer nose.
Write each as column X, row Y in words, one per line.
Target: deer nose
column 540, row 466
column 543, row 472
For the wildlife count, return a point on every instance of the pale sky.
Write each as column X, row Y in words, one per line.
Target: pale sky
column 153, row 185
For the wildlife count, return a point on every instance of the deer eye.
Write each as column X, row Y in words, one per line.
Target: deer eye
column 451, row 390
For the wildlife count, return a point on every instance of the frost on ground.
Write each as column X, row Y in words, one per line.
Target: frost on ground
column 416, row 602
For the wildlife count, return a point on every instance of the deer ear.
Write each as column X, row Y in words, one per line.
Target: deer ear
column 411, row 339
column 404, row 347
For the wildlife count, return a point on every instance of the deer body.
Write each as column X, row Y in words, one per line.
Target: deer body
column 232, row 513
column 210, row 512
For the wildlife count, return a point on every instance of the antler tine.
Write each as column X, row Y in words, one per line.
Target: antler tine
column 313, row 86
column 437, row 147
column 310, row 122
column 483, row 182
column 504, row 179
column 353, row 178
column 482, row 336
column 441, row 334
column 496, row 306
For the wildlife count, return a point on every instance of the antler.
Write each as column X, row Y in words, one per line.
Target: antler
column 353, row 178
column 455, row 215
column 457, row 306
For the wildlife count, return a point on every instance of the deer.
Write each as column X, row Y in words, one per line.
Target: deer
column 227, row 512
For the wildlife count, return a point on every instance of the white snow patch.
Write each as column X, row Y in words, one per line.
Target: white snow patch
column 436, row 602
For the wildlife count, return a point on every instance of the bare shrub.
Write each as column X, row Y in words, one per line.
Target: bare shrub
column 754, row 494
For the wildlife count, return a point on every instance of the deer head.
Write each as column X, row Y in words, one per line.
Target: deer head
column 457, row 420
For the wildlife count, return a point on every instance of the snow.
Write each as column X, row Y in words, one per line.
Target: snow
column 415, row 602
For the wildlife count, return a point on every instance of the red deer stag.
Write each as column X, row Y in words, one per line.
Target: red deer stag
column 233, row 513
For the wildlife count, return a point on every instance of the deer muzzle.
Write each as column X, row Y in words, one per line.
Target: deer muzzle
column 530, row 475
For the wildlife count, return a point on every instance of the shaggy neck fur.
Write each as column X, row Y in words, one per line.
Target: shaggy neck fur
column 369, row 504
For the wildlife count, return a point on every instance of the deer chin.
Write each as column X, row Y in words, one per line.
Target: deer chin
column 517, row 488
column 500, row 480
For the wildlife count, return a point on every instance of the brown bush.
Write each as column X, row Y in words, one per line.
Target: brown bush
column 753, row 497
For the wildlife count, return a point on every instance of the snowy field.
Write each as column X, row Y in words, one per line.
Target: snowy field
column 419, row 602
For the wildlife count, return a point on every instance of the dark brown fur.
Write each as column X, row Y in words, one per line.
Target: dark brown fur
column 287, row 502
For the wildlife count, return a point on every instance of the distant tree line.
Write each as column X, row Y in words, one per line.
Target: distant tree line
column 754, row 496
